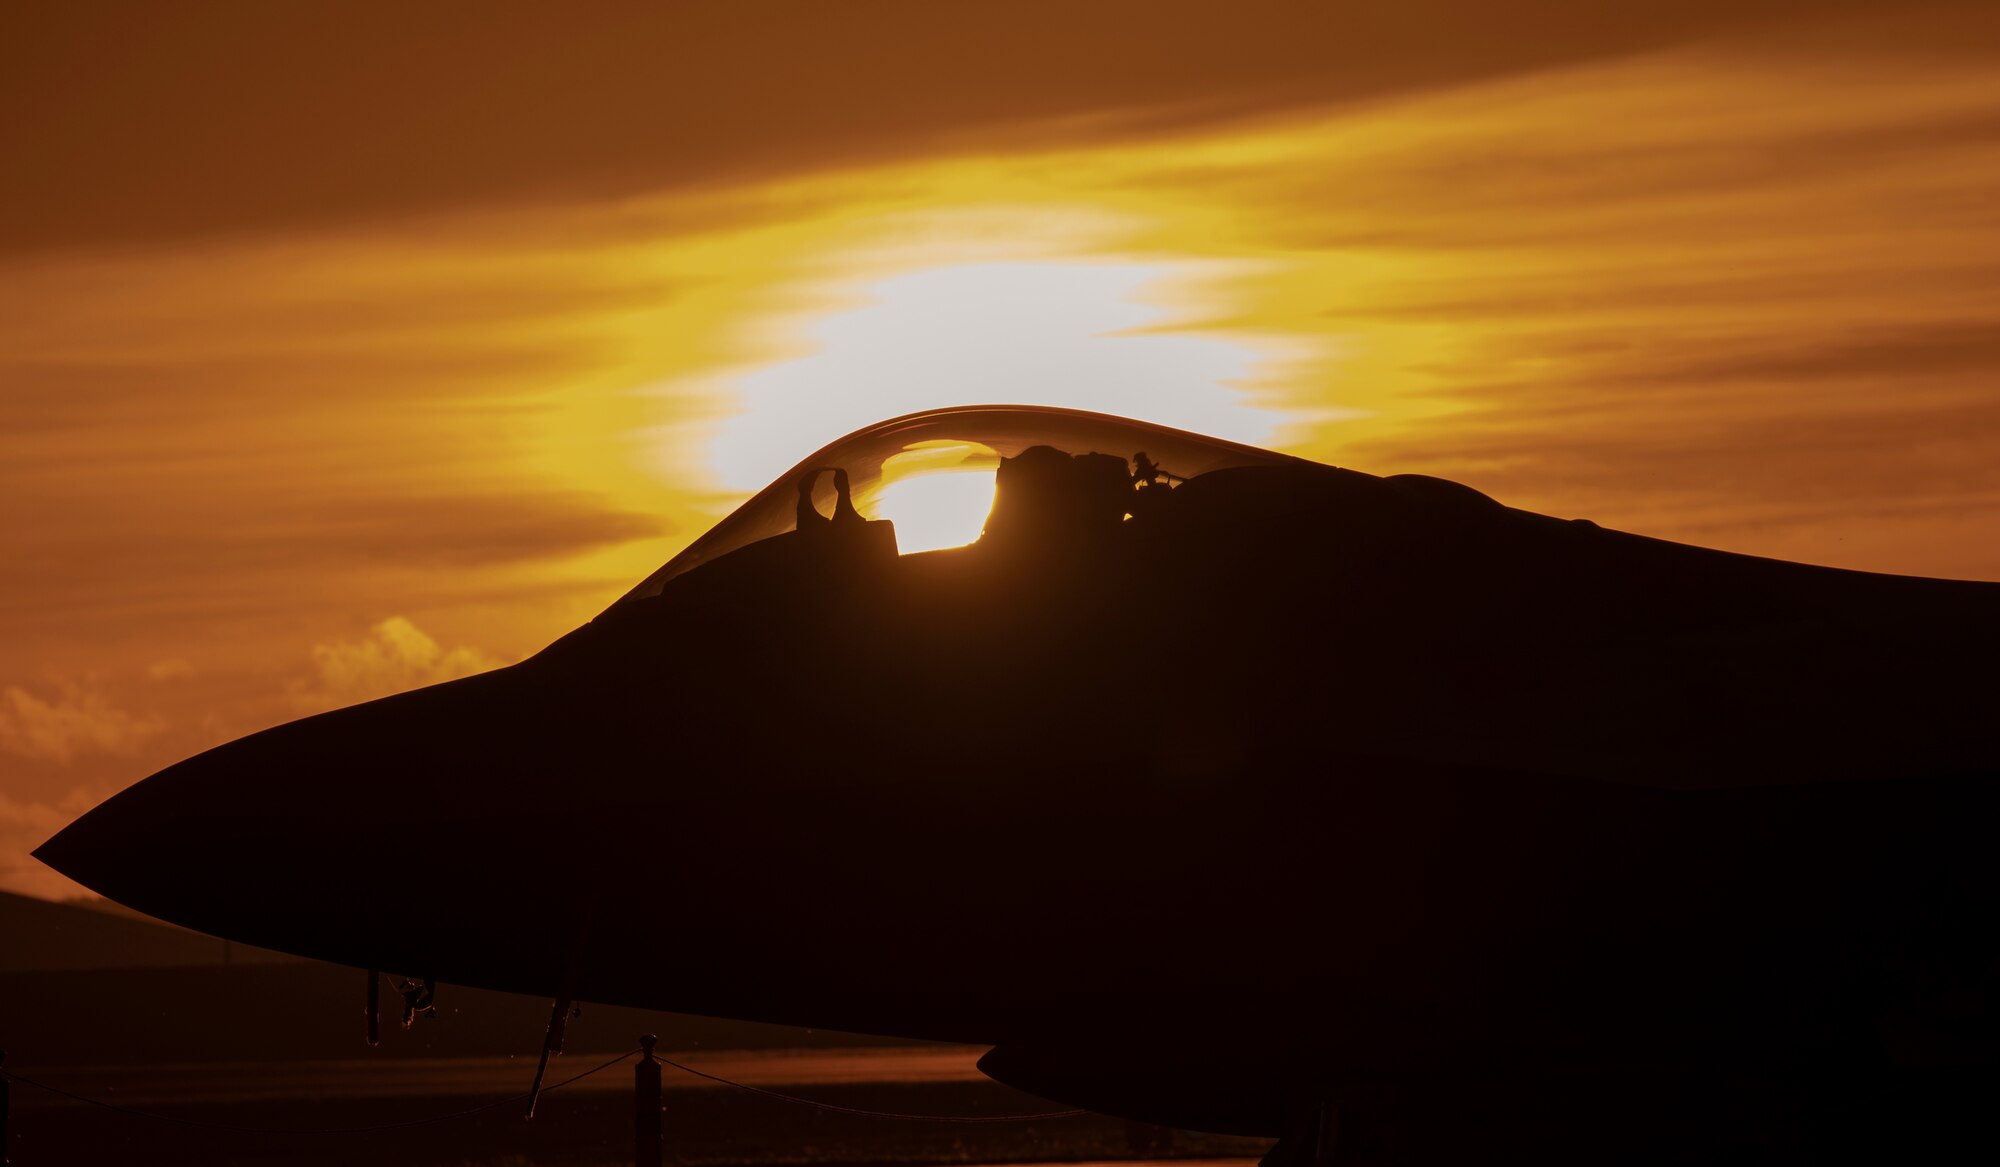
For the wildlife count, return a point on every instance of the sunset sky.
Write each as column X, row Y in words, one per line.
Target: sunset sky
column 352, row 347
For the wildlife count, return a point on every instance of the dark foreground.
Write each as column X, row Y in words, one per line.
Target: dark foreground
column 211, row 1051
column 280, row 1046
column 587, row 1122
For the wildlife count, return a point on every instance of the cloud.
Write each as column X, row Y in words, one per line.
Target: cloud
column 75, row 722
column 170, row 669
column 265, row 544
column 460, row 532
column 393, row 657
column 523, row 105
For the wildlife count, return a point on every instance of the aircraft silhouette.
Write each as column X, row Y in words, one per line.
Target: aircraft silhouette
column 1211, row 786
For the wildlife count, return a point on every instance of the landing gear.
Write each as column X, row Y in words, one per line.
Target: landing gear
column 552, row 1044
column 419, row 1000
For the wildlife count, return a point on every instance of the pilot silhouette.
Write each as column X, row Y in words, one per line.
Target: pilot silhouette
column 1049, row 500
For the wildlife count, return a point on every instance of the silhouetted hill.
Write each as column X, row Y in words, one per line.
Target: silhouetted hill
column 36, row 935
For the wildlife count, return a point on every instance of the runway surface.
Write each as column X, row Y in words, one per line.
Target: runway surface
column 229, row 1113
column 469, row 1079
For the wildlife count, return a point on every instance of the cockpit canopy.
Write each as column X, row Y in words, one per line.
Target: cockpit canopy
column 933, row 474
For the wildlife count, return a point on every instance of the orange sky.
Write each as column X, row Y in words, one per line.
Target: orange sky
column 340, row 353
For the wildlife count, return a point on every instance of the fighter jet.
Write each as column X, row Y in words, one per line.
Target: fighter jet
column 1210, row 786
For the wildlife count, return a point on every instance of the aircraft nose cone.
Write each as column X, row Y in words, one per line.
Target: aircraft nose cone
column 242, row 828
column 102, row 850
column 90, row 851
column 320, row 837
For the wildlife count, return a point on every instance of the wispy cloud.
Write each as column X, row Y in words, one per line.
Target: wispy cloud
column 394, row 656
column 528, row 106
column 76, row 721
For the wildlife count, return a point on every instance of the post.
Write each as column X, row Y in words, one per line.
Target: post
column 646, row 1106
column 4, row 1160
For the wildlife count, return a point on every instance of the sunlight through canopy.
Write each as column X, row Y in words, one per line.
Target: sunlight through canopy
column 1078, row 335
column 935, row 471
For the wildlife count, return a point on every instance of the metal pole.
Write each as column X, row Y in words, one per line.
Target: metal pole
column 551, row 1045
column 646, row 1106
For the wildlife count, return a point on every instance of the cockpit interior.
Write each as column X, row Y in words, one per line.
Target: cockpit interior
column 1003, row 478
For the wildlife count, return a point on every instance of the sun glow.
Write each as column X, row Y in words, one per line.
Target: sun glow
column 937, row 511
column 1080, row 335
column 937, row 493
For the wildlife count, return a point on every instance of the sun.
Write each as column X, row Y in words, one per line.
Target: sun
column 1082, row 335
column 937, row 493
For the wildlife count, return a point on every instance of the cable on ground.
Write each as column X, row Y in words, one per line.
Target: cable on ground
column 836, row 1109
